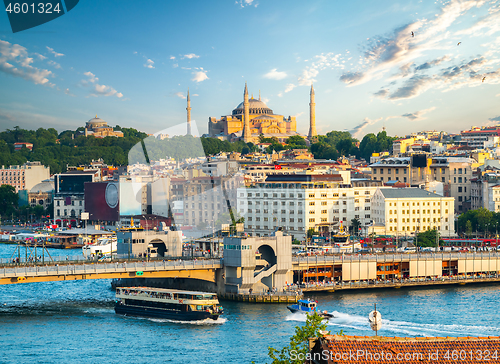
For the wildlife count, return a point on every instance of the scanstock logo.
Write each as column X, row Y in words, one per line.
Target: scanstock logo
column 26, row 14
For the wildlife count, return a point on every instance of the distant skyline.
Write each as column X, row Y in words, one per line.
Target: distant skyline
column 408, row 66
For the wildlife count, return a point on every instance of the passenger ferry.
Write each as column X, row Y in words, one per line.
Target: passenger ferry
column 169, row 304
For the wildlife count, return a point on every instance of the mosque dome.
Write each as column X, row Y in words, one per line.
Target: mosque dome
column 255, row 107
column 44, row 186
column 95, row 123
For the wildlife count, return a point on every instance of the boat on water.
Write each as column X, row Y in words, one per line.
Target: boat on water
column 309, row 306
column 168, row 304
column 104, row 246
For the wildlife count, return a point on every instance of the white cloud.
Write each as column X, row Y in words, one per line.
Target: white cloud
column 14, row 60
column 274, row 74
column 97, row 89
column 92, row 77
column 54, row 64
column 199, row 76
column 418, row 115
column 189, row 56
column 245, row 3
column 180, row 94
column 41, row 57
column 290, row 87
column 172, row 57
column 400, row 49
column 149, row 64
column 356, row 132
column 307, row 77
column 68, row 92
column 51, row 50
column 280, row 94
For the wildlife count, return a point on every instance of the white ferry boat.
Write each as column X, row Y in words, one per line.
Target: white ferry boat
column 169, row 304
column 103, row 246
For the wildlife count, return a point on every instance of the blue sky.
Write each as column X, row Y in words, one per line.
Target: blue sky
column 131, row 63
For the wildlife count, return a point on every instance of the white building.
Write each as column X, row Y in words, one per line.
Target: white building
column 404, row 211
column 297, row 203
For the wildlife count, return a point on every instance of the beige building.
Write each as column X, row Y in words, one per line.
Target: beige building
column 404, row 211
column 24, row 177
column 420, row 170
column 100, row 129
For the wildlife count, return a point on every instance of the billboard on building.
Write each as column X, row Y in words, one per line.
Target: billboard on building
column 102, row 200
column 160, row 196
column 419, row 160
column 131, row 197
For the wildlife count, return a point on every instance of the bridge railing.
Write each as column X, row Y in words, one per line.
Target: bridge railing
column 106, row 267
column 79, row 259
column 329, row 259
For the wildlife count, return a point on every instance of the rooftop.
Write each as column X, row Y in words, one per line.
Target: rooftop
column 408, row 193
column 369, row 349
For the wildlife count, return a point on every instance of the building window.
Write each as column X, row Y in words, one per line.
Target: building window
column 311, row 220
column 459, row 189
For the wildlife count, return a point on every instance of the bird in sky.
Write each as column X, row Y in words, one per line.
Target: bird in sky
column 412, row 34
column 459, row 43
column 484, row 78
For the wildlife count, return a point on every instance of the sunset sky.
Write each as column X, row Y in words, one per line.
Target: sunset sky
column 131, row 63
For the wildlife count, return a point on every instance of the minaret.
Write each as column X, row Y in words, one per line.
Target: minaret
column 312, row 115
column 188, row 108
column 246, row 134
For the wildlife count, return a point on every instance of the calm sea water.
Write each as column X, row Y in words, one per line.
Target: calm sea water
column 74, row 321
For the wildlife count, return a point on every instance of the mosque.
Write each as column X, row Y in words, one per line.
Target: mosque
column 99, row 128
column 253, row 117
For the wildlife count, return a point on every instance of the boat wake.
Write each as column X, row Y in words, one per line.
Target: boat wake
column 207, row 321
column 356, row 325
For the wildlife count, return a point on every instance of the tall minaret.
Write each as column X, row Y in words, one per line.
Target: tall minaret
column 188, row 108
column 246, row 134
column 312, row 115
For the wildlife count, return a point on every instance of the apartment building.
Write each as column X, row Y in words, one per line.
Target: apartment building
column 24, row 177
column 69, row 194
column 297, row 203
column 206, row 198
column 419, row 170
column 405, row 211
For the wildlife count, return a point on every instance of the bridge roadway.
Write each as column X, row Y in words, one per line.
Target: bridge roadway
column 204, row 269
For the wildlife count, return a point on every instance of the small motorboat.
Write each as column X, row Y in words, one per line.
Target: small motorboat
column 309, row 306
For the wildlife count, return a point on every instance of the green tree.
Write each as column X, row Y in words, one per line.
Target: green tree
column 8, row 200
column 428, row 239
column 296, row 351
column 355, row 224
column 311, row 232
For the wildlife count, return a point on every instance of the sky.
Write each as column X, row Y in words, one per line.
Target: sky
column 406, row 66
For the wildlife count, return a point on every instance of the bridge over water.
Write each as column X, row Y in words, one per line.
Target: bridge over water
column 204, row 269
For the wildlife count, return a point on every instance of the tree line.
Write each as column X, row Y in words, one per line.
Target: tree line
column 59, row 150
